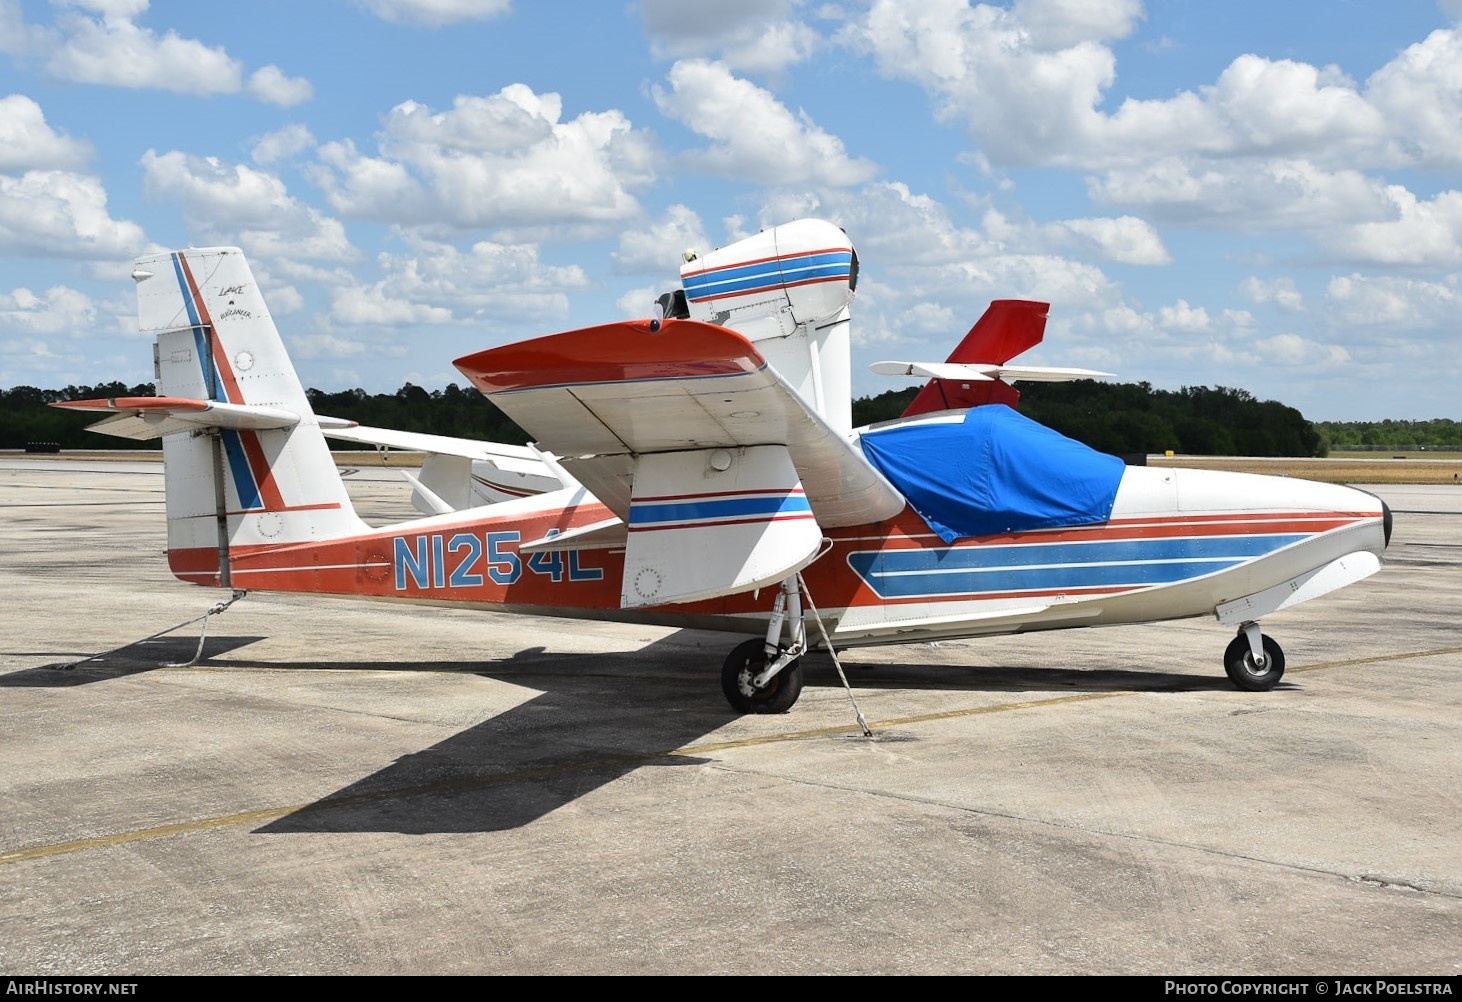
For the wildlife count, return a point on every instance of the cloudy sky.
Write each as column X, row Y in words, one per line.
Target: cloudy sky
column 1259, row 195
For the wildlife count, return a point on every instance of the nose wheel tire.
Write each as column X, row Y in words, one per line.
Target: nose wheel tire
column 746, row 662
column 1248, row 674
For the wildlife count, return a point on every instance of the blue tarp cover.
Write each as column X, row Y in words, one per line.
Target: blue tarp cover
column 995, row 471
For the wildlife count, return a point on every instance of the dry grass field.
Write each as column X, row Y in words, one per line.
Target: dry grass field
column 1359, row 468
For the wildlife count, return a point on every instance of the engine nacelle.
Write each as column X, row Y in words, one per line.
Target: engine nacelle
column 788, row 289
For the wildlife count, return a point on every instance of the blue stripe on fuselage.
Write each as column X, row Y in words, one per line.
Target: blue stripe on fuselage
column 1131, row 562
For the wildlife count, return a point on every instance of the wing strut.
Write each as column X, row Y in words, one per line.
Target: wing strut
column 750, row 688
column 832, row 652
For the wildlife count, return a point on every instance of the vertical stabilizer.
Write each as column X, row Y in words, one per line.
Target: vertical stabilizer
column 230, row 486
column 1007, row 328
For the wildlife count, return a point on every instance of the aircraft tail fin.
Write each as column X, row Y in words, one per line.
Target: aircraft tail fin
column 1007, row 328
column 246, row 464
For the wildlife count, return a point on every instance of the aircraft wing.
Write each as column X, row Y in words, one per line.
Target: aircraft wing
column 721, row 472
column 513, row 458
column 621, row 390
column 459, row 473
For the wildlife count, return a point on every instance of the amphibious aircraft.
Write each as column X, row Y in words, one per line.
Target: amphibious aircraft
column 699, row 468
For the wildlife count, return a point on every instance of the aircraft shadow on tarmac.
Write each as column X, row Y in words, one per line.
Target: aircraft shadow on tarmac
column 133, row 659
column 600, row 717
column 595, row 718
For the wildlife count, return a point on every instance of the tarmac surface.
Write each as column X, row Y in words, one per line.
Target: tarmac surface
column 348, row 787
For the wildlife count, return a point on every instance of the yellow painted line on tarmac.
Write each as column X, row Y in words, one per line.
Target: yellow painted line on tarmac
column 971, row 711
column 686, row 751
column 138, row 835
column 1405, row 656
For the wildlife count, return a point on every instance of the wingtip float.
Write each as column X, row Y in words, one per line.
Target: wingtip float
column 699, row 469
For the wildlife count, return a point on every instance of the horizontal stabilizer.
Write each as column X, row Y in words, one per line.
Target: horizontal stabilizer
column 1006, row 329
column 980, row 372
column 143, row 418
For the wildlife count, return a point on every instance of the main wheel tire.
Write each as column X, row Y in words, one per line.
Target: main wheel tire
column 1238, row 662
column 746, row 662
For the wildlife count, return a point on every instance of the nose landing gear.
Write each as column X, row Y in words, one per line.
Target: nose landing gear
column 1253, row 661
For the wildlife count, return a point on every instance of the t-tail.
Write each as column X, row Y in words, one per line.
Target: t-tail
column 246, row 464
column 1008, row 328
column 978, row 371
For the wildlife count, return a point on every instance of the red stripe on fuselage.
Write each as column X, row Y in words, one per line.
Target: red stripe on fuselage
column 365, row 565
column 748, row 520
column 750, row 492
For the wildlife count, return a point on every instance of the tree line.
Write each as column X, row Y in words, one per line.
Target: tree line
column 26, row 418
column 1133, row 418
column 1118, row 418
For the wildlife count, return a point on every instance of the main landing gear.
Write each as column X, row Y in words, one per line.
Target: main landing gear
column 765, row 676
column 1253, row 661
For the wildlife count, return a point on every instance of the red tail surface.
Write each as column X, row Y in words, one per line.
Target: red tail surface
column 1007, row 328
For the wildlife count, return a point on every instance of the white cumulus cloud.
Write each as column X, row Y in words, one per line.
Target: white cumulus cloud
column 26, row 141
column 1427, row 233
column 58, row 310
column 1126, row 239
column 500, row 160
column 435, row 13
column 489, row 284
column 659, row 246
column 1420, row 94
column 1396, row 304
column 57, row 213
column 755, row 36
column 1294, row 350
column 1282, row 292
column 784, row 148
column 1182, row 317
column 270, row 84
column 282, row 144
column 101, row 42
column 235, row 203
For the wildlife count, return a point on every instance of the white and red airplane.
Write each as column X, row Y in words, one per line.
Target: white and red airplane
column 699, row 469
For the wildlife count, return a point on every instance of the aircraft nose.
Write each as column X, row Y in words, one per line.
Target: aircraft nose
column 1385, row 519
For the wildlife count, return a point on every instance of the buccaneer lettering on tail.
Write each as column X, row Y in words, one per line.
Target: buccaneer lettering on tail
column 699, row 468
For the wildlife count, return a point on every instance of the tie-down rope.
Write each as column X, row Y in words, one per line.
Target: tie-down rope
column 202, row 636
